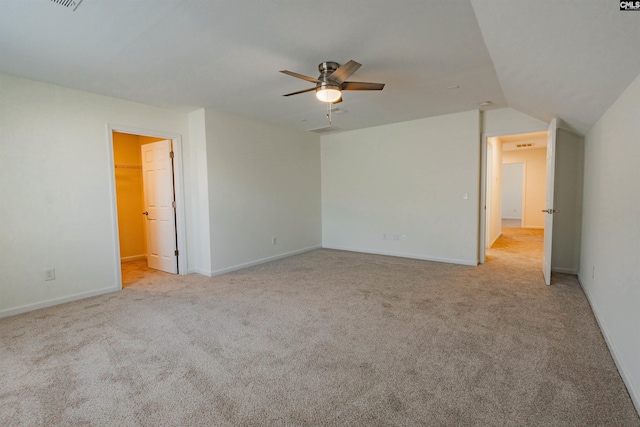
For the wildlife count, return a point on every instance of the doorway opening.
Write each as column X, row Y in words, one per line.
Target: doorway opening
column 149, row 229
column 514, row 193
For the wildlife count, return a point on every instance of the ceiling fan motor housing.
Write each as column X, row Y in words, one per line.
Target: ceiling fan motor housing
column 326, row 69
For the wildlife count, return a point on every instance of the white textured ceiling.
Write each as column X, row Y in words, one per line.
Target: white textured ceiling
column 566, row 58
column 561, row 58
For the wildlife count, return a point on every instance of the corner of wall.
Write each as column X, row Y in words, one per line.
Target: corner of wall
column 506, row 121
column 201, row 231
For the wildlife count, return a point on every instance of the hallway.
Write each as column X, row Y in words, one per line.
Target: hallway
column 137, row 273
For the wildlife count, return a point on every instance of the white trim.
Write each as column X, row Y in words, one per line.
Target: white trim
column 482, row 230
column 523, row 213
column 495, row 240
column 483, row 185
column 56, row 301
column 200, row 271
column 178, row 176
column 634, row 392
column 181, row 225
column 133, row 258
column 564, row 270
column 405, row 255
column 260, row 261
column 114, row 207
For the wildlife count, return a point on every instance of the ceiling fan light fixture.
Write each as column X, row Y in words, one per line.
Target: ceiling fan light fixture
column 328, row 93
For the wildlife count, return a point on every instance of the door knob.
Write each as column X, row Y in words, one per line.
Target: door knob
column 550, row 211
column 145, row 213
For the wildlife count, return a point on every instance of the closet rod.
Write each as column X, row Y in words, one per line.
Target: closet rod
column 128, row 166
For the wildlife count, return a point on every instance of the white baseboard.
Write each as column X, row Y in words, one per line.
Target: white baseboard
column 634, row 393
column 133, row 258
column 405, row 255
column 262, row 261
column 564, row 270
column 494, row 241
column 200, row 271
column 30, row 307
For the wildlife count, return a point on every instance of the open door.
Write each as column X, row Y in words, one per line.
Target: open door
column 157, row 179
column 548, row 220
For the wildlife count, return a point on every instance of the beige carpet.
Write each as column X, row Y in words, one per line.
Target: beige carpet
column 324, row 338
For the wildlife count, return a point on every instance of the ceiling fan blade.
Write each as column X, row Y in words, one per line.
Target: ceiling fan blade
column 300, row 76
column 362, row 86
column 343, row 73
column 300, row 91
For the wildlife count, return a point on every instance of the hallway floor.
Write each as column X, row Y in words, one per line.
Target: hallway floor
column 136, row 272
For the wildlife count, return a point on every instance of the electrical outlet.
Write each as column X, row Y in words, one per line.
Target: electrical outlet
column 396, row 236
column 384, row 236
column 274, row 240
column 593, row 271
column 49, row 274
column 403, row 237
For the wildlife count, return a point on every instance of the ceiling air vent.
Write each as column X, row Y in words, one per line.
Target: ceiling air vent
column 325, row 129
column 71, row 4
column 524, row 145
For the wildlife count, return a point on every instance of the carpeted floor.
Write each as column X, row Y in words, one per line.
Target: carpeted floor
column 324, row 338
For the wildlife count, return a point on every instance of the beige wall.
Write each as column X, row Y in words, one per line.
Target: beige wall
column 129, row 194
column 407, row 189
column 56, row 182
column 567, row 200
column 264, row 182
column 535, row 179
column 609, row 268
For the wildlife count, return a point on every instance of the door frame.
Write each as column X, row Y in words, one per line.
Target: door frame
column 483, row 188
column 552, row 135
column 178, row 180
column 486, row 195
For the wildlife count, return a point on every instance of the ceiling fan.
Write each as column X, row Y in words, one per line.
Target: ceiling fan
column 332, row 81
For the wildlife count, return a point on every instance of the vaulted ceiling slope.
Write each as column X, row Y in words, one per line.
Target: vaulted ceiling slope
column 546, row 58
column 561, row 58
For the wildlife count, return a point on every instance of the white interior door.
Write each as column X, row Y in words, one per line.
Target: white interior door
column 548, row 220
column 157, row 174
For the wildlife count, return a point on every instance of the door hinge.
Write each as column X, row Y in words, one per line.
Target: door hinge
column 171, row 154
column 175, row 252
column 173, row 204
